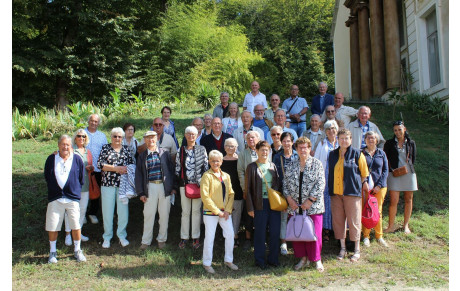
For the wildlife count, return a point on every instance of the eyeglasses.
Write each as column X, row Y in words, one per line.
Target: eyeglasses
column 230, row 146
column 117, row 136
column 330, row 111
column 130, row 129
column 399, row 122
column 275, row 134
column 81, row 136
column 158, row 124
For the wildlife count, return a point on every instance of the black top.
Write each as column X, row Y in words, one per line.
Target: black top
column 391, row 150
column 110, row 156
column 230, row 167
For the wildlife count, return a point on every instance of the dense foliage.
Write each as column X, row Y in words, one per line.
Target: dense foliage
column 68, row 51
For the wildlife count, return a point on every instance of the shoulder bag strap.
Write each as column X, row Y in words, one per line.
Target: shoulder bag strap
column 282, row 166
column 266, row 184
column 297, row 98
column 196, row 178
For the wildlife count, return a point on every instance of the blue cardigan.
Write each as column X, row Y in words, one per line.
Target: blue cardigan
column 72, row 188
column 351, row 173
column 378, row 168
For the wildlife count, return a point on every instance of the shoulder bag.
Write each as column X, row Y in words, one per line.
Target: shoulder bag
column 300, row 228
column 94, row 190
column 401, row 171
column 192, row 191
column 275, row 198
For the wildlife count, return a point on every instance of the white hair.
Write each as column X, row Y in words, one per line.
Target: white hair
column 191, row 129
column 79, row 131
column 62, row 137
column 117, row 130
column 277, row 127
column 98, row 118
column 230, row 140
column 322, row 83
column 315, row 115
column 253, row 132
column 331, row 123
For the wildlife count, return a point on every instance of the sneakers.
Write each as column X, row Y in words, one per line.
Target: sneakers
column 209, row 269
column 382, row 242
column 232, row 266
column 283, row 248
column 144, row 247
column 68, row 240
column 366, row 242
column 196, row 243
column 84, row 238
column 79, row 256
column 106, row 244
column 161, row 245
column 319, row 266
column 93, row 219
column 53, row 258
column 182, row 243
column 124, row 242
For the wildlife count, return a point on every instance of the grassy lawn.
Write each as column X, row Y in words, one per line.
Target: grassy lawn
column 416, row 261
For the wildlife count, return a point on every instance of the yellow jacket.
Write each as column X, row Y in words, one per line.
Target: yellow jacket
column 211, row 192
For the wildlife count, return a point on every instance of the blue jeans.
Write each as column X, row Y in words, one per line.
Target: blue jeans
column 263, row 219
column 108, row 197
column 298, row 127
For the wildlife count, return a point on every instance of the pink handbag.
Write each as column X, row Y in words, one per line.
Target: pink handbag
column 370, row 216
column 300, row 228
column 192, row 191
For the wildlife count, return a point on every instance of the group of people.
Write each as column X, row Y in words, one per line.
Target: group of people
column 223, row 170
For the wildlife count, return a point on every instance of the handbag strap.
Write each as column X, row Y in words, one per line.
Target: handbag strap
column 304, row 215
column 266, row 184
column 282, row 164
column 289, row 110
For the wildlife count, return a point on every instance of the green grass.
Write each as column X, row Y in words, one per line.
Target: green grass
column 418, row 260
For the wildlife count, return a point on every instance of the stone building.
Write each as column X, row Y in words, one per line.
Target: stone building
column 380, row 45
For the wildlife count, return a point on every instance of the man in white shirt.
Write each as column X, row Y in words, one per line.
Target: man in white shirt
column 64, row 178
column 280, row 120
column 342, row 112
column 253, row 98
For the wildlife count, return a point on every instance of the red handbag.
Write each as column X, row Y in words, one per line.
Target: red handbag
column 192, row 191
column 370, row 215
column 94, row 190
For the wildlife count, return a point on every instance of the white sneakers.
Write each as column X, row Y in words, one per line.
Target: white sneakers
column 366, row 242
column 53, row 258
column 124, row 242
column 84, row 238
column 382, row 242
column 232, row 266
column 283, row 249
column 93, row 219
column 106, row 244
column 79, row 256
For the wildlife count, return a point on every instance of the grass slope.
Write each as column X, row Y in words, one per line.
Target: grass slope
column 416, row 261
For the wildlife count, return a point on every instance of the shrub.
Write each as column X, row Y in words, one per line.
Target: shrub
column 424, row 103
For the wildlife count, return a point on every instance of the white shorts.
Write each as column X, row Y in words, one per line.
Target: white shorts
column 55, row 215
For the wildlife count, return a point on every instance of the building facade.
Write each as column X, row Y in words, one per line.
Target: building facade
column 381, row 45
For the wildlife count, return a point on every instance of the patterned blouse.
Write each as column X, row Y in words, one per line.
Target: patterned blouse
column 313, row 184
column 196, row 163
column 109, row 156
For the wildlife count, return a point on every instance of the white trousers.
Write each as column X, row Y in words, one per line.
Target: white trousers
column 210, row 224
column 83, row 205
column 156, row 201
column 192, row 206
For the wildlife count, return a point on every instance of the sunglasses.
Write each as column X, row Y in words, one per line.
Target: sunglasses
column 275, row 134
column 79, row 135
column 399, row 122
column 117, row 136
column 158, row 124
column 330, row 111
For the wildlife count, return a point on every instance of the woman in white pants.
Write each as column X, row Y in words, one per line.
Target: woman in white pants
column 217, row 196
column 80, row 141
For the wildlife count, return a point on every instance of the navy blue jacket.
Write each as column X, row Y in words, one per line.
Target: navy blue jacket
column 316, row 105
column 72, row 188
column 351, row 174
column 377, row 168
column 209, row 143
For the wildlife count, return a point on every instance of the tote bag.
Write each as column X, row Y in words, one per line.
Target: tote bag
column 300, row 228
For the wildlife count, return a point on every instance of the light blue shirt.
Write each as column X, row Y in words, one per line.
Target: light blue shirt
column 298, row 106
column 285, row 129
column 96, row 141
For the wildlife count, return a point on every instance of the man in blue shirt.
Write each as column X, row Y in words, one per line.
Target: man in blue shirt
column 260, row 121
column 296, row 109
column 321, row 100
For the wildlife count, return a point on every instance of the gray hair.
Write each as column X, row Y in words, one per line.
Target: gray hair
column 274, row 95
column 230, row 140
column 331, row 123
column 237, row 108
column 252, row 132
column 277, row 127
column 315, row 115
column 196, row 118
column 207, row 115
column 377, row 137
column 117, row 130
column 62, row 137
column 98, row 118
column 322, row 83
column 281, row 110
column 191, row 129
column 79, row 131
column 247, row 112
column 365, row 107
column 215, row 154
column 222, row 93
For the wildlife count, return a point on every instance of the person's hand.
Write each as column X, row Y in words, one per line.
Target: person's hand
column 226, row 215
column 366, row 187
column 375, row 190
column 143, row 198
column 306, row 205
column 251, row 213
column 89, row 168
column 122, row 169
column 221, row 214
column 292, row 203
column 294, row 117
column 312, row 153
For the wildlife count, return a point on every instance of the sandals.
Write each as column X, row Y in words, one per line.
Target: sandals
column 355, row 257
column 342, row 254
column 302, row 264
column 319, row 266
column 196, row 244
column 182, row 243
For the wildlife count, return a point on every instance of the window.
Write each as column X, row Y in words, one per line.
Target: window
column 401, row 23
column 433, row 49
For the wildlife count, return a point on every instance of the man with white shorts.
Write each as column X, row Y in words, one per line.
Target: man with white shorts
column 64, row 173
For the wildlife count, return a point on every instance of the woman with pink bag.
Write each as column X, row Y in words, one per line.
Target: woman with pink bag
column 303, row 187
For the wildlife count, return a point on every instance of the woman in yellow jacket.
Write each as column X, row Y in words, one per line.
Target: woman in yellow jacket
column 217, row 196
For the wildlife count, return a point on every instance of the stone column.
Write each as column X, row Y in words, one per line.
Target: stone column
column 365, row 58
column 352, row 23
column 377, row 43
column 392, row 46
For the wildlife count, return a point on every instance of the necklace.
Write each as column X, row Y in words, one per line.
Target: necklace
column 371, row 152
